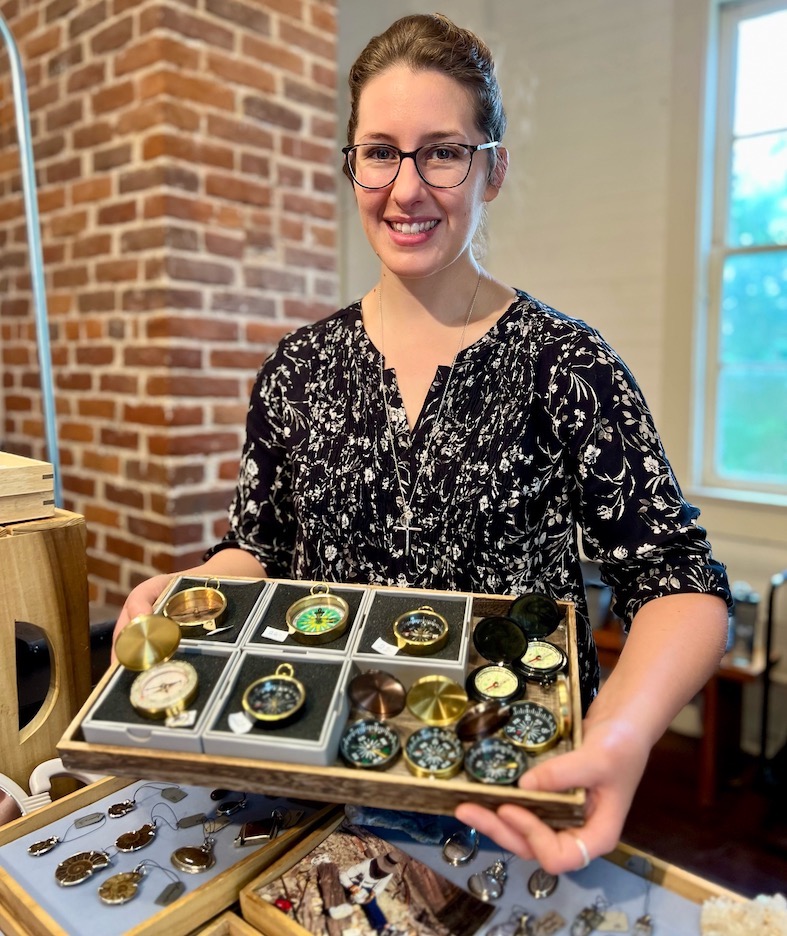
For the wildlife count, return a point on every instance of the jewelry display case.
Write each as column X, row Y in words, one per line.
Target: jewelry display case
column 300, row 756
column 632, row 891
column 32, row 903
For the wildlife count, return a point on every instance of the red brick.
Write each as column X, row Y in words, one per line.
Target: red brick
column 182, row 386
column 162, row 357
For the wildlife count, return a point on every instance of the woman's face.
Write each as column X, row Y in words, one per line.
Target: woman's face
column 407, row 109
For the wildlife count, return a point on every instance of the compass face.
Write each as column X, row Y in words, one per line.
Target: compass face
column 370, row 744
column 496, row 761
column 165, row 689
column 532, row 727
column 542, row 660
column 274, row 698
column 421, row 632
column 317, row 620
column 434, row 752
column 494, row 683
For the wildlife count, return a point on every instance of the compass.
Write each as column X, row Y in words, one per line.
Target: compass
column 436, row 700
column 318, row 618
column 532, row 727
column 370, row 744
column 542, row 661
column 434, row 752
column 500, row 640
column 495, row 761
column 200, row 608
column 165, row 690
column 421, row 632
column 276, row 698
column 538, row 615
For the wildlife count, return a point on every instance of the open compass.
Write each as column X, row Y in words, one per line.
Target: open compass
column 434, row 752
column 532, row 727
column 495, row 760
column 541, row 662
column 200, row 608
column 318, row 618
column 164, row 687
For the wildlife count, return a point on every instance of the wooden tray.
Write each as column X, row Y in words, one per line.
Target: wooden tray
column 395, row 788
column 20, row 915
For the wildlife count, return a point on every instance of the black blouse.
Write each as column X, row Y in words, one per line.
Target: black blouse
column 543, row 432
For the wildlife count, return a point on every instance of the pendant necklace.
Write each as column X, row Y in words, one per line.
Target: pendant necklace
column 405, row 524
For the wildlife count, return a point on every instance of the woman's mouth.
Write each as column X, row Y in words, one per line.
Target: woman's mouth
column 413, row 227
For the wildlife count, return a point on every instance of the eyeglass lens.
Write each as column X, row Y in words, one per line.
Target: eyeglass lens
column 442, row 165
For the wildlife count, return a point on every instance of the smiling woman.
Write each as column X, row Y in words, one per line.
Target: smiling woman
column 449, row 431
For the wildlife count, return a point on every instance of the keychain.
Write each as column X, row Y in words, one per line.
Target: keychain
column 489, row 884
column 587, row 920
column 122, row 887
column 144, row 835
column 118, row 810
column 46, row 845
column 194, row 859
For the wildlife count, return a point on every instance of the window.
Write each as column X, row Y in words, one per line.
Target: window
column 744, row 431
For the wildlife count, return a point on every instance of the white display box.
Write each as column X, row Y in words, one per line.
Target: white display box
column 113, row 720
column 313, row 738
column 269, row 631
column 376, row 647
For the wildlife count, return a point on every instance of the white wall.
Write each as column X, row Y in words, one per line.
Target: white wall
column 598, row 212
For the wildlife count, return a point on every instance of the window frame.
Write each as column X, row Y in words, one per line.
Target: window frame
column 714, row 250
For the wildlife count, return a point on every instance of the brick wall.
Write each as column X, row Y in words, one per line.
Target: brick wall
column 185, row 159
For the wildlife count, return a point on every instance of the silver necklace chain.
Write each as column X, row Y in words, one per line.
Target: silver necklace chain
column 405, row 524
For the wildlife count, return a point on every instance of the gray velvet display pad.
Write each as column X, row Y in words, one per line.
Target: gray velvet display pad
column 386, row 606
column 623, row 889
column 284, row 594
column 113, row 720
column 243, row 598
column 78, row 909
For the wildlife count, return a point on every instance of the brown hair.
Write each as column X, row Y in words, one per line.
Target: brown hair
column 431, row 41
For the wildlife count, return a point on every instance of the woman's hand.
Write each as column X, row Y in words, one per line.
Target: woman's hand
column 609, row 765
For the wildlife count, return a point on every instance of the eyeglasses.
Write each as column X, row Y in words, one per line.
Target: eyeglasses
column 441, row 165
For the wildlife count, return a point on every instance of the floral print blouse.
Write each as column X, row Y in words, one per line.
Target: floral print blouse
column 543, row 432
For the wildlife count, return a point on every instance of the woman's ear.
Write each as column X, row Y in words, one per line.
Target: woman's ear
column 498, row 173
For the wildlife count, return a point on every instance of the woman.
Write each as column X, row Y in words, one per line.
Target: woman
column 451, row 432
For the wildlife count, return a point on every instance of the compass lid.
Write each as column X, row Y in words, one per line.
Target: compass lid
column 499, row 639
column 146, row 640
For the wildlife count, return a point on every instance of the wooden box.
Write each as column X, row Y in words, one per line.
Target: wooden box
column 43, row 583
column 21, row 915
column 395, row 788
column 269, row 921
column 27, row 488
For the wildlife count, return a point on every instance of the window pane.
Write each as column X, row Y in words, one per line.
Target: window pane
column 754, row 310
column 751, row 438
column 758, row 195
column 760, row 101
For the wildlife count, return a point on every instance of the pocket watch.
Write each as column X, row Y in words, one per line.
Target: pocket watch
column 436, row 700
column 532, row 727
column 370, row 744
column 500, row 640
column 495, row 760
column 542, row 661
column 318, row 618
column 276, row 698
column 201, row 607
column 165, row 690
column 434, row 752
column 421, row 632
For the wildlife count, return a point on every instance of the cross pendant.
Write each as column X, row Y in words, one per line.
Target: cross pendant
column 406, row 527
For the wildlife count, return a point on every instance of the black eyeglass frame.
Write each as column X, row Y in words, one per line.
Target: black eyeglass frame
column 471, row 147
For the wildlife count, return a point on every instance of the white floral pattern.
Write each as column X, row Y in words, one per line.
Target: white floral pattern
column 543, row 431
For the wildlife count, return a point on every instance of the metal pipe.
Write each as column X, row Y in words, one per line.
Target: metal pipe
column 35, row 253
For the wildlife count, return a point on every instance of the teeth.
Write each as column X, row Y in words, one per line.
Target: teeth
column 417, row 227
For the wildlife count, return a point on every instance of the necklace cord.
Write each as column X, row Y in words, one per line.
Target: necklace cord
column 406, row 503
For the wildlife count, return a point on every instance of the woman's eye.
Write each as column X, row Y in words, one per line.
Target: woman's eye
column 444, row 153
column 381, row 154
